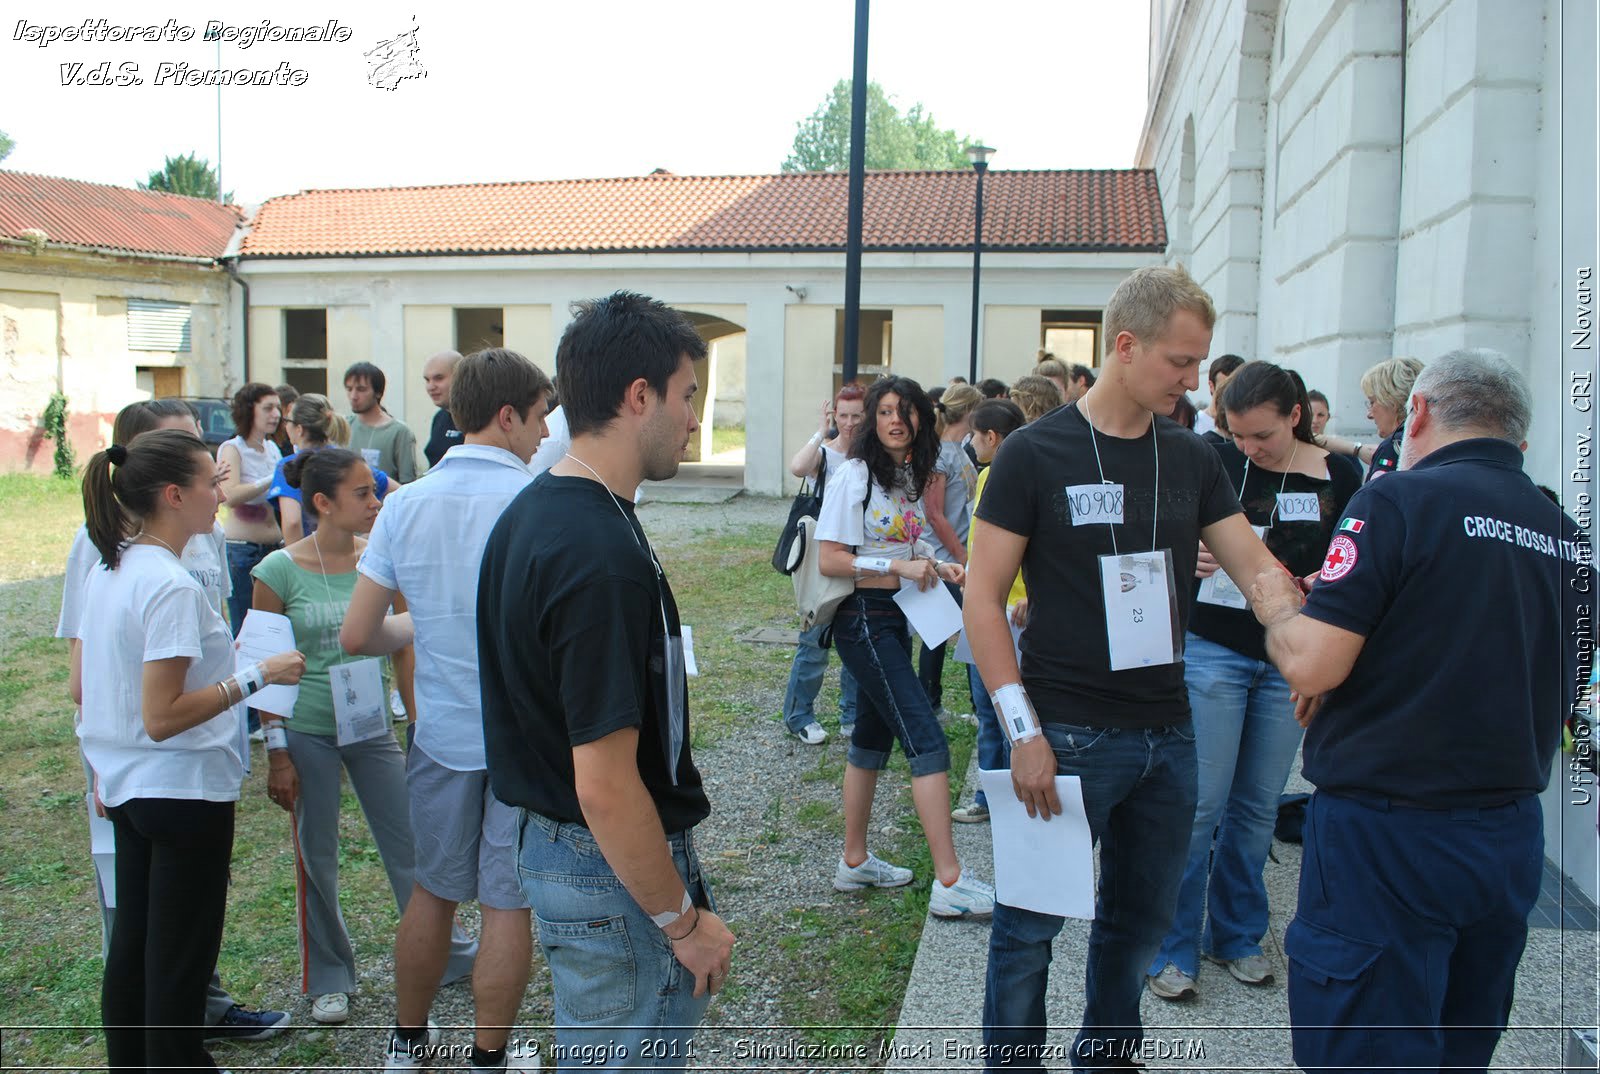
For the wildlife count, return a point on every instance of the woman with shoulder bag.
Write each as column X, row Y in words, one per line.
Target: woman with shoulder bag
column 870, row 529
column 821, row 457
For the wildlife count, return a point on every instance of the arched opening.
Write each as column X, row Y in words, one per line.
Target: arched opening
column 716, row 456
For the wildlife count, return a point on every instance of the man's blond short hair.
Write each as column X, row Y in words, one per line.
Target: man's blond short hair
column 1144, row 302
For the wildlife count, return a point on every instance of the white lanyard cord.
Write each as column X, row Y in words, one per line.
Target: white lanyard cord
column 326, row 586
column 645, row 548
column 1155, row 496
column 1281, row 485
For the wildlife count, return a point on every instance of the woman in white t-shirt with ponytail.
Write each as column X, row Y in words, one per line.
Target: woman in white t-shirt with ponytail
column 163, row 733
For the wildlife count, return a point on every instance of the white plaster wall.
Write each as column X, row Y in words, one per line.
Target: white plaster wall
column 788, row 343
column 1332, row 196
column 1472, row 108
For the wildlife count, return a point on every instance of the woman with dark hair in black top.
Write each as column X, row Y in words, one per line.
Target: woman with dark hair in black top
column 1294, row 493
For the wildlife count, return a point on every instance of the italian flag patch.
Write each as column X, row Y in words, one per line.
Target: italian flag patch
column 1352, row 525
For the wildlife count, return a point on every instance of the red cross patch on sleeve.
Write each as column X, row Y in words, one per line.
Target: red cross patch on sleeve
column 1341, row 559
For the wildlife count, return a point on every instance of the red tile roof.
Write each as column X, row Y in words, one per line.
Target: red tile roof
column 113, row 217
column 1023, row 210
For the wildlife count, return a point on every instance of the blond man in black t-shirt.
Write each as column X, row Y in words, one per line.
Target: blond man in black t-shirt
column 1102, row 504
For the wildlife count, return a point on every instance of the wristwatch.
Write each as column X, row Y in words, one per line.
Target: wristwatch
column 667, row 917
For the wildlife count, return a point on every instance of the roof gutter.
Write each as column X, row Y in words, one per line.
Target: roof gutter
column 230, row 263
column 72, row 247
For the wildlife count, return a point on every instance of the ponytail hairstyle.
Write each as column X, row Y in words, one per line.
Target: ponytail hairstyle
column 1036, row 396
column 319, row 471
column 322, row 424
column 123, row 484
column 998, row 416
column 884, row 468
column 1262, row 383
column 958, row 401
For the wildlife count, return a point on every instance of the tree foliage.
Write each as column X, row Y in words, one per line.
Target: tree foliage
column 894, row 140
column 6, row 145
column 187, row 175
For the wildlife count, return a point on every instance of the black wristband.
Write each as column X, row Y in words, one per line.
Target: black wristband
column 685, row 936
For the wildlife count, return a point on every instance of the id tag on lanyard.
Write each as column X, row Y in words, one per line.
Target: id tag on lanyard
column 1219, row 588
column 1141, row 609
column 677, row 702
column 358, row 702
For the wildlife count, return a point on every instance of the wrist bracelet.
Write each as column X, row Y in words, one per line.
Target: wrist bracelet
column 1016, row 714
column 873, row 565
column 223, row 690
column 686, row 935
column 249, row 680
column 276, row 738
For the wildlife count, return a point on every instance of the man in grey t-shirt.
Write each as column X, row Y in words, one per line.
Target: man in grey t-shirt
column 387, row 443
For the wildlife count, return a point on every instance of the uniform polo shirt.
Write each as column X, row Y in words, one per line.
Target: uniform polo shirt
column 427, row 544
column 1464, row 579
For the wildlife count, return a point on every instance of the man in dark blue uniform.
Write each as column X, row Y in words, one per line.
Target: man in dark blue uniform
column 1440, row 641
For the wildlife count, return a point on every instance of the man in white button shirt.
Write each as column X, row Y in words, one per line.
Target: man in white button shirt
column 427, row 545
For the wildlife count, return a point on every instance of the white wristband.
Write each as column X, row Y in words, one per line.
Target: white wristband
column 250, row 680
column 1016, row 714
column 816, row 438
column 276, row 739
column 873, row 565
column 667, row 917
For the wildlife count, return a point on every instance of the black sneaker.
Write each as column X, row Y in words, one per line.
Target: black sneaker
column 241, row 1023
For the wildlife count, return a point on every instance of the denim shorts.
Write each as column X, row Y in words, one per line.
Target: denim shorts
column 874, row 641
column 621, row 998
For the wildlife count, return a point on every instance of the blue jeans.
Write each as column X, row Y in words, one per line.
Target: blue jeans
column 242, row 559
column 994, row 752
column 1139, row 794
column 1245, row 738
column 621, row 999
column 873, row 640
column 805, row 679
column 1404, row 947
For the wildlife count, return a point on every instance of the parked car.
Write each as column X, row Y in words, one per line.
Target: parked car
column 216, row 421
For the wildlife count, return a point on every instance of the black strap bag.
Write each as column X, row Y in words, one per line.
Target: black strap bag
column 807, row 502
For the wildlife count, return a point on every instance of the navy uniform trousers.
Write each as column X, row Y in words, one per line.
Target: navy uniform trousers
column 1403, row 952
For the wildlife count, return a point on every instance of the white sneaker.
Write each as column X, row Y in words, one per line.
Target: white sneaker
column 402, row 1056
column 812, row 734
column 397, row 706
column 872, row 873
column 1173, row 983
column 331, row 1009
column 967, row 897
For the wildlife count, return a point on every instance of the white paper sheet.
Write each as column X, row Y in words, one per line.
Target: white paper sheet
column 265, row 634
column 690, row 668
column 1137, row 587
column 932, row 613
column 1042, row 865
column 964, row 651
column 103, row 846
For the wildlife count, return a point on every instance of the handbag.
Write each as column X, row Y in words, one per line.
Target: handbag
column 816, row 595
column 808, row 501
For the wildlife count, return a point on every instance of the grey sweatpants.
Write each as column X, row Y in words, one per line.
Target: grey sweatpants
column 218, row 1002
column 377, row 771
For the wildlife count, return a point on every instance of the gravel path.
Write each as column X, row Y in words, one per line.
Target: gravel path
column 769, row 849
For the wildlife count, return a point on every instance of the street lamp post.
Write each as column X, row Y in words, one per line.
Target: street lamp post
column 980, row 163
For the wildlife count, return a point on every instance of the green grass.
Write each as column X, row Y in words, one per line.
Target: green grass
column 727, row 438
column 845, row 963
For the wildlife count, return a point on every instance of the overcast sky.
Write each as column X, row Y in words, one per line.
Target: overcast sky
column 542, row 90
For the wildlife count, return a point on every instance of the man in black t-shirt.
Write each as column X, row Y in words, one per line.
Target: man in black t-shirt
column 436, row 374
column 585, row 703
column 1424, row 843
column 1103, row 504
